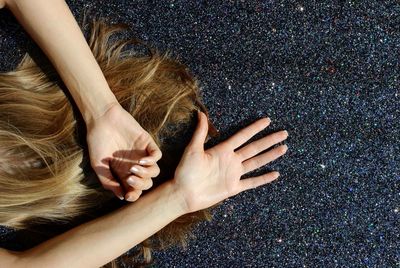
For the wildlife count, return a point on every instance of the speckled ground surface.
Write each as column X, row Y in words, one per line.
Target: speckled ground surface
column 329, row 73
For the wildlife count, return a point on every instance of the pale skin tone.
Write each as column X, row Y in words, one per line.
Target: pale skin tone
column 203, row 178
column 110, row 129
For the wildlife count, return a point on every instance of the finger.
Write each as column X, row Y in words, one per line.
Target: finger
column 121, row 167
column 154, row 151
column 154, row 154
column 254, row 182
column 133, row 195
column 109, row 182
column 118, row 191
column 200, row 134
column 148, row 171
column 260, row 145
column 246, row 133
column 140, row 183
column 125, row 185
column 262, row 159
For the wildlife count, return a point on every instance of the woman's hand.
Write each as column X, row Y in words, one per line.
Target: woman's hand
column 113, row 135
column 205, row 178
column 116, row 145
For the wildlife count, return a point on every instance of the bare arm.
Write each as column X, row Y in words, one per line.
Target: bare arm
column 202, row 179
column 109, row 127
column 53, row 27
column 99, row 241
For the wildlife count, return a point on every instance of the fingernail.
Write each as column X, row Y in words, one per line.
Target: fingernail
column 143, row 162
column 286, row 133
column 134, row 169
column 120, row 196
column 130, row 198
column 269, row 120
column 131, row 181
column 277, row 174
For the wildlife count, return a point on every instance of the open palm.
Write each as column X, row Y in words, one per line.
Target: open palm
column 205, row 178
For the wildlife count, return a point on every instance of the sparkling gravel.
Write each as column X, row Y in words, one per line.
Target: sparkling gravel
column 329, row 73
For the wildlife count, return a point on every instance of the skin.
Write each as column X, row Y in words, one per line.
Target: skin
column 203, row 178
column 110, row 129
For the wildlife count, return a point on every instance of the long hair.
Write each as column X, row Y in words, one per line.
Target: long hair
column 45, row 173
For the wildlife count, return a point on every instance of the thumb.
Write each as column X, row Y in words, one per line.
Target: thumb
column 200, row 134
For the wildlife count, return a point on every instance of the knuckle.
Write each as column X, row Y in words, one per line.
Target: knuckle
column 157, row 171
column 142, row 170
column 138, row 193
column 149, row 184
column 143, row 138
column 143, row 183
column 159, row 155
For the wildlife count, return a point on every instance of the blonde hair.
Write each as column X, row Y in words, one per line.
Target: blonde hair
column 45, row 174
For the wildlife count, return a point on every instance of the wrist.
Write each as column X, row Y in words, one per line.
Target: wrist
column 92, row 112
column 91, row 116
column 178, row 196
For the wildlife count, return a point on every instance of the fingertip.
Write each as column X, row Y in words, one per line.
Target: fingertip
column 131, row 199
column 119, row 195
column 111, row 184
column 133, row 196
column 114, row 184
column 154, row 151
column 157, row 172
column 201, row 115
column 266, row 121
column 156, row 155
column 146, row 161
column 204, row 121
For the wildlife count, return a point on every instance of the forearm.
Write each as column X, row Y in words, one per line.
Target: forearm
column 99, row 241
column 53, row 27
